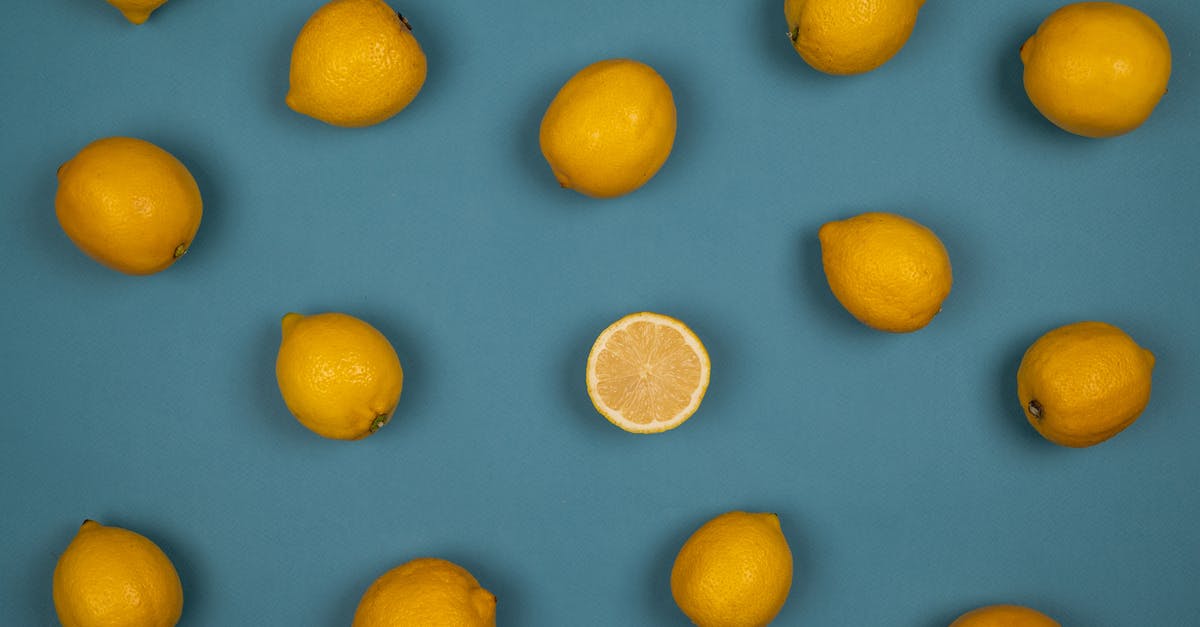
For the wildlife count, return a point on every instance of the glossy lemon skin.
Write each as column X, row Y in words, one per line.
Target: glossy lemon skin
column 128, row 204
column 1097, row 69
column 609, row 129
column 1083, row 383
column 355, row 63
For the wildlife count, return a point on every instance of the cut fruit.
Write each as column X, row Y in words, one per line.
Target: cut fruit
column 647, row 373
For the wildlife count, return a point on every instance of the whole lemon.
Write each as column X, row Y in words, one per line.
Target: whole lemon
column 888, row 271
column 1083, row 383
column 429, row 592
column 1097, row 69
column 128, row 204
column 137, row 11
column 355, row 63
column 113, row 577
column 849, row 36
column 1004, row 616
column 734, row 571
column 338, row 375
column 609, row 129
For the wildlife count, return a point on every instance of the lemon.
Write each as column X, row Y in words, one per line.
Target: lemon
column 888, row 271
column 1083, row 383
column 338, row 375
column 647, row 373
column 426, row 592
column 1004, row 616
column 128, row 204
column 849, row 36
column 734, row 571
column 1097, row 69
column 113, row 577
column 609, row 129
column 137, row 11
column 355, row 63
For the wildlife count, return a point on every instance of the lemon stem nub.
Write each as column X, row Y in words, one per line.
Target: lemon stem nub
column 380, row 420
column 1035, row 409
column 180, row 250
column 404, row 21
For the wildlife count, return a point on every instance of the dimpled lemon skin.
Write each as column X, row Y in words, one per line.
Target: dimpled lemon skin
column 137, row 11
column 355, row 63
column 339, row 376
column 1083, row 383
column 426, row 592
column 849, row 36
column 734, row 571
column 888, row 271
column 609, row 129
column 1097, row 69
column 1004, row 616
column 113, row 577
column 128, row 204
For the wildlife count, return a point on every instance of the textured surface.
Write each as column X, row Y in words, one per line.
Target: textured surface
column 908, row 482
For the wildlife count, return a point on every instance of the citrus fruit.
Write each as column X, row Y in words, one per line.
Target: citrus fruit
column 137, row 11
column 128, row 204
column 426, row 592
column 609, row 129
column 1083, row 383
column 849, row 36
column 355, row 63
column 338, row 375
column 113, row 577
column 888, row 271
column 734, row 571
column 1004, row 616
column 647, row 373
column 1097, row 69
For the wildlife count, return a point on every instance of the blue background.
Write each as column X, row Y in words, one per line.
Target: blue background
column 909, row 485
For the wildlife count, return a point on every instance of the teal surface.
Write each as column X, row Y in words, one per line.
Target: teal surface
column 909, row 485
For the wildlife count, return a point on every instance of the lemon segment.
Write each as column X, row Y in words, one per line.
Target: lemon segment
column 647, row 373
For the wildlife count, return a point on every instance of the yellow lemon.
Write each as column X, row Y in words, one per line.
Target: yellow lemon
column 1097, row 69
column 1083, row 383
column 609, row 129
column 355, row 63
column 137, row 11
column 428, row 592
column 128, row 204
column 887, row 270
column 734, row 571
column 338, row 375
column 647, row 373
column 1004, row 616
column 849, row 36
column 113, row 577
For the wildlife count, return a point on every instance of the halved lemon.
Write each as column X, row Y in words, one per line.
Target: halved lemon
column 647, row 373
